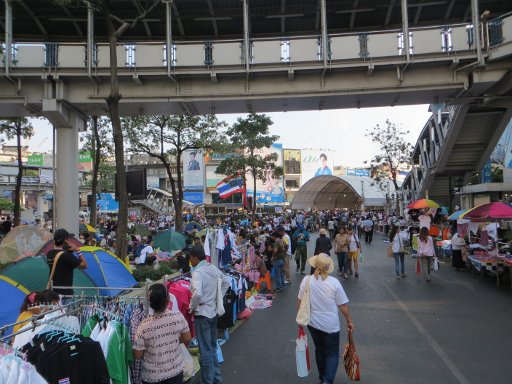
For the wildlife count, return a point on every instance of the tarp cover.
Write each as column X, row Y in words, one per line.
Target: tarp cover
column 170, row 241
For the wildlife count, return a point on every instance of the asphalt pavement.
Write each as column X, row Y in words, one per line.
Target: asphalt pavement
column 452, row 330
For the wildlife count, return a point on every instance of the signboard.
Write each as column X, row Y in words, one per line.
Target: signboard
column 193, row 170
column 46, row 176
column 486, row 173
column 316, row 162
column 85, row 161
column 153, row 181
column 193, row 197
column 212, row 179
column 358, row 172
column 271, row 189
column 30, row 179
column 35, row 159
column 291, row 161
column 210, row 157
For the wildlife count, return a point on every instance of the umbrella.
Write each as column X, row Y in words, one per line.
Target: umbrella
column 22, row 241
column 51, row 245
column 456, row 215
column 141, row 230
column 193, row 225
column 13, row 295
column 170, row 241
column 86, row 228
column 423, row 203
column 489, row 211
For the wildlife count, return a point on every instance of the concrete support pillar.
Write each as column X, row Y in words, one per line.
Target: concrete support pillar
column 323, row 20
column 67, row 123
column 40, row 205
column 66, row 201
column 8, row 37
column 247, row 51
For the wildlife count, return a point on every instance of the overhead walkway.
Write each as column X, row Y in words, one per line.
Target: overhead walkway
column 257, row 57
column 455, row 141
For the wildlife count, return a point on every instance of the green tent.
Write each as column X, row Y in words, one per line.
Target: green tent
column 170, row 241
column 33, row 274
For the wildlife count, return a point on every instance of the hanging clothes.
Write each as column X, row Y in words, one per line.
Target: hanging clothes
column 14, row 370
column 61, row 357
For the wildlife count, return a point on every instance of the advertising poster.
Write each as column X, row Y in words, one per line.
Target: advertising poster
column 193, row 197
column 85, row 161
column 153, row 181
column 212, row 179
column 291, row 161
column 316, row 162
column 271, row 190
column 193, row 170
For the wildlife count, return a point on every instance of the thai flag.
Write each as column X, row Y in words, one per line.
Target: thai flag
column 230, row 185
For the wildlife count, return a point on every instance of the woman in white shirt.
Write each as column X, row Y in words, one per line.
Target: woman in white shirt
column 327, row 297
column 425, row 252
column 397, row 241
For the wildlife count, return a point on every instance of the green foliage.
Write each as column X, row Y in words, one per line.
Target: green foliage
column 8, row 127
column 6, row 204
column 394, row 150
column 148, row 272
column 249, row 135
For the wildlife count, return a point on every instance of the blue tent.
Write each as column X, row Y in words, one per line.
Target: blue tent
column 13, row 295
column 106, row 270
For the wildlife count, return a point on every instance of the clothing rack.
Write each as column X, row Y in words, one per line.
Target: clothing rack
column 36, row 323
column 99, row 288
column 34, row 318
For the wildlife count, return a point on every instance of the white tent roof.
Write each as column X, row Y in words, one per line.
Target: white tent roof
column 330, row 192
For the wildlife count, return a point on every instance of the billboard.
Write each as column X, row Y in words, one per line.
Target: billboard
column 291, row 162
column 193, row 170
column 35, row 159
column 316, row 162
column 193, row 197
column 271, row 189
column 212, row 179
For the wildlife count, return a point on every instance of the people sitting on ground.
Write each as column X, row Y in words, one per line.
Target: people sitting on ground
column 147, row 255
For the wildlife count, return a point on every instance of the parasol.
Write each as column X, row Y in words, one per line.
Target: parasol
column 22, row 241
column 489, row 212
column 457, row 215
column 423, row 203
column 86, row 228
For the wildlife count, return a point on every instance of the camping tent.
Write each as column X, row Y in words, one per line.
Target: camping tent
column 12, row 297
column 170, row 241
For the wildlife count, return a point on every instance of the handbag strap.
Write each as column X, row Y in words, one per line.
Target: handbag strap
column 55, row 261
column 351, row 340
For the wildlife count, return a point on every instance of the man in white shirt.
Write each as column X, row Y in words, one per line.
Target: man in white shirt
column 288, row 242
column 425, row 220
column 147, row 255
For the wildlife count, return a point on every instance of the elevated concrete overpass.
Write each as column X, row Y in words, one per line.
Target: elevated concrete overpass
column 255, row 58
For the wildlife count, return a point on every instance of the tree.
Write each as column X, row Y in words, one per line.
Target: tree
column 394, row 151
column 167, row 137
column 113, row 99
column 251, row 134
column 6, row 204
column 98, row 141
column 17, row 128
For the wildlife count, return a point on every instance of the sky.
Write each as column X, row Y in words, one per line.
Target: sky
column 340, row 130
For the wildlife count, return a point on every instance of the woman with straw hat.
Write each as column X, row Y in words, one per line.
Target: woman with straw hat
column 327, row 297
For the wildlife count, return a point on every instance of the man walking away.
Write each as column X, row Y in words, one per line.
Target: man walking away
column 368, row 230
column 203, row 305
column 301, row 236
column 62, row 262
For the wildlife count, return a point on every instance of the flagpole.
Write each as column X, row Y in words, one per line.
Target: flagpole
column 244, row 196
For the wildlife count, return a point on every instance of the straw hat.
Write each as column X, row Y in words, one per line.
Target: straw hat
column 323, row 231
column 322, row 262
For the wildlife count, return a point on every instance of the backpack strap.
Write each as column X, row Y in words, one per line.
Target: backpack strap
column 55, row 261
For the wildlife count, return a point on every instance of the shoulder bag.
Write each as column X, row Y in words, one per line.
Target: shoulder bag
column 304, row 313
column 55, row 261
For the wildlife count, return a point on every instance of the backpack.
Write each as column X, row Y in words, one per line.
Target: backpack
column 139, row 249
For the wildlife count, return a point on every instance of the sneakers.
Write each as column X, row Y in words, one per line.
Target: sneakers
column 404, row 275
column 297, row 270
column 340, row 273
column 287, row 282
column 345, row 276
column 397, row 277
column 427, row 279
column 356, row 274
column 302, row 273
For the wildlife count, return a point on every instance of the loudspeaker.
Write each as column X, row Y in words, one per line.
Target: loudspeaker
column 136, row 185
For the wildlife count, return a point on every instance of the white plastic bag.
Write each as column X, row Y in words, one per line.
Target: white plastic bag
column 435, row 264
column 302, row 354
column 188, row 361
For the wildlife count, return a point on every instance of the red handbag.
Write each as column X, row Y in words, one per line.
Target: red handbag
column 351, row 360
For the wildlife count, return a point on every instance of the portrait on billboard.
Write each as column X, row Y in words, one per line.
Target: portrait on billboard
column 324, row 169
column 193, row 164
